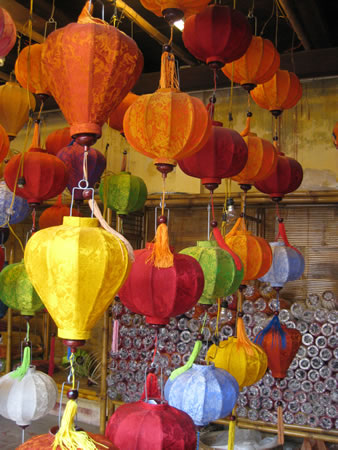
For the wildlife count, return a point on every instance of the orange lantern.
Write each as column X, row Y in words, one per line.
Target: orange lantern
column 28, row 71
column 90, row 67
column 335, row 135
column 262, row 159
column 57, row 140
column 53, row 216
column 115, row 119
column 282, row 91
column 174, row 10
column 254, row 252
column 7, row 33
column 258, row 64
column 14, row 107
column 4, row 144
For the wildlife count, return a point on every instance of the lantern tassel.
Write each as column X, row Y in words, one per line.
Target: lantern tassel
column 196, row 350
column 232, row 431
column 168, row 77
column 277, row 330
column 220, row 241
column 21, row 371
column 280, row 425
column 161, row 255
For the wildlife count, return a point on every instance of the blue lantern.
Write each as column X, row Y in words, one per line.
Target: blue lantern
column 203, row 392
column 19, row 210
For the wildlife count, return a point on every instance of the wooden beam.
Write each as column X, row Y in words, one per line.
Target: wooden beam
column 294, row 22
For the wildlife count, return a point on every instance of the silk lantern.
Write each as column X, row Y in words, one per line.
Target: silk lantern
column 282, row 91
column 224, row 155
column 125, row 192
column 72, row 156
column 204, row 392
column 254, row 251
column 221, row 275
column 89, row 67
column 258, row 64
column 46, row 442
column 76, row 269
column 115, row 119
column 285, row 178
column 4, row 144
column 154, row 425
column 28, row 399
column 57, row 140
column 245, row 361
column 217, row 35
column 15, row 214
column 7, row 33
column 53, row 216
column 173, row 11
column 15, row 104
column 335, row 135
column 43, row 176
column 161, row 293
column 16, row 290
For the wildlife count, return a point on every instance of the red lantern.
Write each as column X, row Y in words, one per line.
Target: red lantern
column 217, row 35
column 286, row 178
column 44, row 176
column 57, row 140
column 224, row 155
column 144, row 426
column 46, row 442
column 53, row 216
column 161, row 293
column 7, row 33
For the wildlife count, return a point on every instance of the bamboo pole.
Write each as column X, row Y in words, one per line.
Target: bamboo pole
column 9, row 324
column 46, row 331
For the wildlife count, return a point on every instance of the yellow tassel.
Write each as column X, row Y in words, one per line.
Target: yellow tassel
column 231, row 438
column 161, row 256
column 168, row 77
column 280, row 425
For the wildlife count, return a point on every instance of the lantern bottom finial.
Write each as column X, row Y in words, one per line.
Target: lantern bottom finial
column 276, row 198
column 211, row 186
column 73, row 344
column 245, row 187
column 83, row 139
column 276, row 112
column 172, row 15
column 248, row 86
column 42, row 97
column 164, row 168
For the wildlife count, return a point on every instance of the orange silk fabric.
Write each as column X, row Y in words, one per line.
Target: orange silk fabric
column 28, row 70
column 115, row 119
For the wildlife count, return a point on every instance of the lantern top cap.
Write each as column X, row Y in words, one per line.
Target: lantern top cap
column 277, row 244
column 207, row 244
column 73, row 221
column 160, row 404
column 204, row 368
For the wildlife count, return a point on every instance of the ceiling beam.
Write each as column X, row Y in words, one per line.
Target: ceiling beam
column 295, row 24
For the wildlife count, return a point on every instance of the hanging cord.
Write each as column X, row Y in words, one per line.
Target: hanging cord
column 268, row 20
column 252, row 16
column 276, row 27
column 50, row 21
column 230, row 116
column 218, row 314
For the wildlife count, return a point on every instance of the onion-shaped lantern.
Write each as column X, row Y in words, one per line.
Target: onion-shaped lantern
column 4, row 143
column 245, row 361
column 224, row 155
column 174, row 10
column 9, row 213
column 115, row 119
column 89, row 67
column 124, row 192
column 15, row 104
column 72, row 156
column 46, row 442
column 57, row 140
column 221, row 275
column 76, row 269
column 143, row 424
column 7, row 33
column 27, row 399
column 282, row 91
column 217, row 35
column 204, row 392
column 53, row 216
column 258, row 64
column 17, row 291
column 254, row 251
column 44, row 176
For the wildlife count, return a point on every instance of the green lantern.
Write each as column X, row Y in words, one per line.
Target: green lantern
column 221, row 277
column 17, row 292
column 125, row 192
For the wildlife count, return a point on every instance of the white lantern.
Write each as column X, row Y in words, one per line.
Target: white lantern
column 29, row 399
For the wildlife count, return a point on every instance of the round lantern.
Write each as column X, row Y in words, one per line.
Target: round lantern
column 221, row 276
column 174, row 10
column 28, row 71
column 244, row 360
column 89, row 67
column 203, row 392
column 254, row 252
column 258, row 64
column 282, row 91
column 280, row 344
column 335, row 135
column 76, row 269
column 15, row 214
column 28, row 399
column 161, row 293
column 217, row 35
column 285, row 178
column 46, row 442
column 44, row 176
column 125, row 193
column 16, row 290
column 57, row 140
column 224, row 155
column 15, row 104
column 53, row 216
column 7, row 33
column 115, row 119
column 4, row 143
column 157, row 425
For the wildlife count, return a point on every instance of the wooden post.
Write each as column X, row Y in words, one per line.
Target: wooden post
column 46, row 331
column 9, row 325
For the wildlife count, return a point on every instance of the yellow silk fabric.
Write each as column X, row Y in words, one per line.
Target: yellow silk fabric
column 14, row 107
column 76, row 268
column 189, row 7
column 243, row 359
column 28, row 70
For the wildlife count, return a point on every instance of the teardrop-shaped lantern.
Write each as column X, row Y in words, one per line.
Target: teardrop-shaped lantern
column 258, row 64
column 57, row 140
column 141, row 425
column 115, row 119
column 76, row 268
column 53, row 216
column 46, row 442
column 221, row 276
column 125, row 193
column 89, row 67
column 4, row 144
column 11, row 213
column 224, row 155
column 244, row 360
column 282, row 91
column 17, row 291
column 174, row 10
column 15, row 103
column 217, row 35
column 254, row 251
column 7, row 33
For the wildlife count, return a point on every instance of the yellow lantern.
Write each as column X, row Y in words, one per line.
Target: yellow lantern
column 76, row 268
column 244, row 360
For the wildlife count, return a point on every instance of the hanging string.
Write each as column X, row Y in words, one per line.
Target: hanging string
column 276, row 29
column 163, row 196
column 218, row 314
column 212, row 205
column 155, row 348
column 171, row 34
column 85, row 163
column 230, row 117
